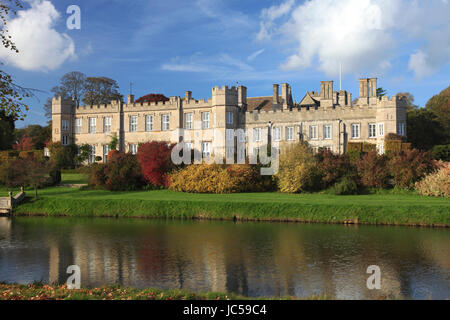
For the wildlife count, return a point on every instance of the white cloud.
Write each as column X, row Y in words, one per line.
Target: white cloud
column 255, row 54
column 363, row 35
column 40, row 46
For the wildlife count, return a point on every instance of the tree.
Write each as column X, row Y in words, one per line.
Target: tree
column 71, row 86
column 424, row 129
column 100, row 90
column 440, row 106
column 35, row 173
column 39, row 135
column 381, row 92
column 409, row 98
column 24, row 144
column 11, row 94
column 373, row 171
column 6, row 131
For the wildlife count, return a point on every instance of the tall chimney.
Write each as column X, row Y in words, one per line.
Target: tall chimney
column 188, row 95
column 276, row 93
column 130, row 99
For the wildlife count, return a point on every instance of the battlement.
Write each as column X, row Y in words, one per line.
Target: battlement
column 225, row 90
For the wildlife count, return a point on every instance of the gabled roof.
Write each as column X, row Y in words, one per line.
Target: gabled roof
column 308, row 100
column 260, row 103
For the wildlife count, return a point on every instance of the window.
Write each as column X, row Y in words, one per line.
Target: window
column 289, row 133
column 106, row 150
column 205, row 120
column 327, row 132
column 65, row 140
column 230, row 116
column 229, row 135
column 401, row 128
column 230, row 152
column 149, row 123
column 107, row 124
column 355, row 130
column 65, row 125
column 133, row 123
column 92, row 155
column 256, row 134
column 381, row 129
column 78, row 125
column 381, row 149
column 188, row 119
column 92, row 125
column 165, row 122
column 313, row 132
column 133, row 148
column 255, row 151
column 328, row 148
column 188, row 145
column 277, row 133
column 206, row 149
column 372, row 130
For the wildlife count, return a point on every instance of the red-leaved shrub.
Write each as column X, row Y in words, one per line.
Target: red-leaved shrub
column 373, row 171
column 332, row 167
column 409, row 166
column 155, row 161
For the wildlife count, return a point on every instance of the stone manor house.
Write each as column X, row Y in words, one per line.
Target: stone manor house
column 325, row 119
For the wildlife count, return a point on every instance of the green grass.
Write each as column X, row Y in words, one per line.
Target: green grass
column 383, row 207
column 47, row 292
column 73, row 178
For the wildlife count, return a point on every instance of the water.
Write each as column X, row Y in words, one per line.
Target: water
column 251, row 259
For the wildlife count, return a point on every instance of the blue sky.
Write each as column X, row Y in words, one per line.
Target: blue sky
column 172, row 46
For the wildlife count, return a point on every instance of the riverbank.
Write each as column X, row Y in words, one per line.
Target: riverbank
column 47, row 292
column 376, row 209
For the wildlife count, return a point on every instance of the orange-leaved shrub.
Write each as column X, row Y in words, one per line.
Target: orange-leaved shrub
column 409, row 166
column 215, row 178
column 333, row 167
column 436, row 184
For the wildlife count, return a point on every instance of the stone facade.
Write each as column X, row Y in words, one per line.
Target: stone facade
column 325, row 119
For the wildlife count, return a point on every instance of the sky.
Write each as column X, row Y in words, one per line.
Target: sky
column 172, row 46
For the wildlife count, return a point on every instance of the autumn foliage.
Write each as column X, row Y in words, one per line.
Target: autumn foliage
column 152, row 98
column 373, row 170
column 24, row 144
column 155, row 161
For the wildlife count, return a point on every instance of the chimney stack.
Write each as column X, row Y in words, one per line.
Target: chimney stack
column 276, row 94
column 188, row 95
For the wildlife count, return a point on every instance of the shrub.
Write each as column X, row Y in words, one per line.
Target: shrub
column 297, row 169
column 155, row 161
column 63, row 157
column 408, row 167
column 373, row 171
column 436, row 184
column 97, row 176
column 214, row 178
column 367, row 147
column 441, row 152
column 123, row 173
column 346, row 186
column 332, row 167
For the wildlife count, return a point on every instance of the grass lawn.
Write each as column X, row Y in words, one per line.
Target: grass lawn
column 382, row 208
column 73, row 178
column 47, row 292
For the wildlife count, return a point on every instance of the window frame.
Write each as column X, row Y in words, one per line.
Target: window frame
column 289, row 130
column 230, row 117
column 191, row 122
column 355, row 125
column 372, row 133
column 92, row 125
column 107, row 124
column 314, row 136
column 330, row 136
column 165, row 125
column 206, row 123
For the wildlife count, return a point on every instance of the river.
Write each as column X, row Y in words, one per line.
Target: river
column 250, row 259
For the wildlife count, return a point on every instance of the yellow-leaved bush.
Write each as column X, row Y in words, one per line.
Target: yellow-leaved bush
column 214, row 178
column 436, row 184
column 298, row 170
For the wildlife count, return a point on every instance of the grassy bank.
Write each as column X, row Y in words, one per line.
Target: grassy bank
column 382, row 208
column 46, row 292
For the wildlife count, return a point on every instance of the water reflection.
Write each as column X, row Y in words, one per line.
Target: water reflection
column 255, row 259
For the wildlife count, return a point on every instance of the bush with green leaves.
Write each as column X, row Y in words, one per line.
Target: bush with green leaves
column 346, row 186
